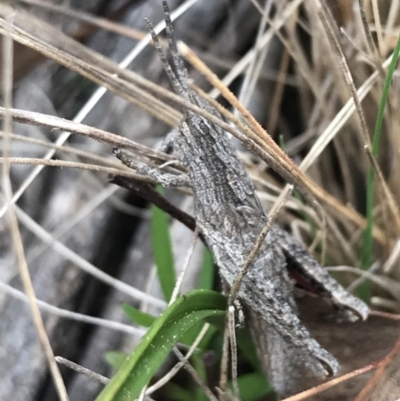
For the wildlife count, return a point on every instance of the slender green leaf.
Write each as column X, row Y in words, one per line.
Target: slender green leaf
column 137, row 316
column 177, row 393
column 367, row 251
column 143, row 363
column 246, row 345
column 206, row 279
column 162, row 250
column 115, row 358
column 253, row 386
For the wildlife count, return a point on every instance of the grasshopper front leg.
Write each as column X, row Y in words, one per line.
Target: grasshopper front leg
column 167, row 180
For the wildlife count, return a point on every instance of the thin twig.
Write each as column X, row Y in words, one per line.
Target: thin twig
column 332, row 383
column 148, row 193
column 239, row 278
column 382, row 366
column 83, row 264
column 82, row 166
column 79, row 317
column 103, row 23
column 392, row 203
column 179, row 365
column 195, row 376
column 53, row 122
column 186, row 262
column 80, row 369
column 233, row 344
column 370, row 40
column 273, row 215
column 7, row 82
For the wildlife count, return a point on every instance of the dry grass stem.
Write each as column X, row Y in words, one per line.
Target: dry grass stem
column 242, row 64
column 79, row 317
column 7, row 82
column 331, row 383
column 55, row 123
column 83, row 264
column 164, row 380
column 374, row 386
column 80, row 369
column 83, row 166
column 90, row 19
column 195, row 376
column 186, row 262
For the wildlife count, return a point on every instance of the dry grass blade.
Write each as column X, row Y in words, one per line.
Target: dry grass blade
column 108, row 138
column 327, row 23
column 80, row 369
column 385, row 384
column 164, row 380
column 102, row 23
column 83, row 264
column 44, row 306
column 332, row 383
column 82, row 166
column 13, row 222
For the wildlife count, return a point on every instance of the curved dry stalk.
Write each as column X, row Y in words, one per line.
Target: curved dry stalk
column 378, row 27
column 239, row 278
column 382, row 386
column 79, row 317
column 385, row 187
column 195, row 376
column 332, row 383
column 99, row 22
column 7, row 82
column 7, row 61
column 83, row 166
column 186, row 262
column 167, row 377
column 301, row 61
column 386, row 283
column 393, row 258
column 242, row 64
column 327, row 24
column 80, row 369
column 371, row 43
column 384, row 303
column 53, row 122
column 83, row 264
column 386, row 315
column 67, row 150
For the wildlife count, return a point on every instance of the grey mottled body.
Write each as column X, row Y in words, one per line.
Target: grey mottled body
column 230, row 217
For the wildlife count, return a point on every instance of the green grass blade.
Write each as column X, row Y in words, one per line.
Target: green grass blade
column 366, row 259
column 253, row 386
column 206, row 279
column 115, row 358
column 162, row 250
column 137, row 316
column 145, row 360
